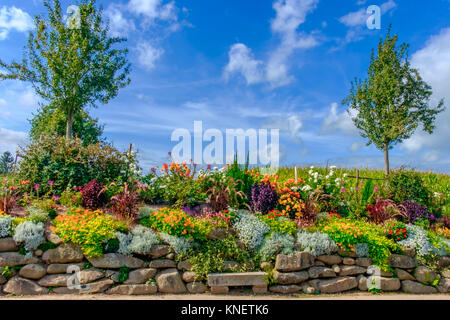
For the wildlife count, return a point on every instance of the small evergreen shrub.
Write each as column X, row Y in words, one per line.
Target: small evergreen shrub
column 406, row 185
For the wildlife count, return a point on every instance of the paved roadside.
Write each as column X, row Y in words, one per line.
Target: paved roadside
column 356, row 296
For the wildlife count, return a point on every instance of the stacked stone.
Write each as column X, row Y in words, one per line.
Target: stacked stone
column 47, row 273
column 302, row 272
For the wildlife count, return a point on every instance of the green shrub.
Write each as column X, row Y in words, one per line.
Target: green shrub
column 70, row 164
column 406, row 185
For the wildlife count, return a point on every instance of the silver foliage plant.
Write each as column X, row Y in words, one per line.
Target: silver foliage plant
column 178, row 244
column 37, row 214
column 30, row 234
column 362, row 249
column 140, row 240
column 250, row 230
column 282, row 243
column 316, row 243
column 418, row 239
column 5, row 226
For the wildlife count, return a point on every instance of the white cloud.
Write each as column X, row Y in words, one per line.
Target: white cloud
column 353, row 19
column 336, row 121
column 241, row 61
column 433, row 63
column 148, row 54
column 153, row 9
column 290, row 14
column 290, row 124
column 9, row 140
column 355, row 146
column 119, row 25
column 12, row 18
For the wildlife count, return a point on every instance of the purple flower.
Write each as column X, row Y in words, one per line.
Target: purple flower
column 343, row 190
column 154, row 170
column 263, row 198
column 209, row 167
column 56, row 198
column 415, row 211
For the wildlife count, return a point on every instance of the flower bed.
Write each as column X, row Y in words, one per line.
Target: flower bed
column 316, row 233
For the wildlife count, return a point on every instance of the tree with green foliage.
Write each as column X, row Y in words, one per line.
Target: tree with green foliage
column 72, row 64
column 6, row 160
column 393, row 100
column 49, row 121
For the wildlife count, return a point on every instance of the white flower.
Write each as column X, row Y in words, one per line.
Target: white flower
column 333, row 167
column 306, row 188
column 345, row 175
column 312, row 167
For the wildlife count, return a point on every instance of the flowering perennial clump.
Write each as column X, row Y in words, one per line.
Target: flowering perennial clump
column 175, row 222
column 88, row 229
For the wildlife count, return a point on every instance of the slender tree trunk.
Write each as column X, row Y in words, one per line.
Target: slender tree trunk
column 69, row 126
column 386, row 158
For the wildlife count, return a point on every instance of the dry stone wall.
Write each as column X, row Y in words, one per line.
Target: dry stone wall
column 50, row 272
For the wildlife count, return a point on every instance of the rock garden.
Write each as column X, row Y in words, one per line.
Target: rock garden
column 85, row 224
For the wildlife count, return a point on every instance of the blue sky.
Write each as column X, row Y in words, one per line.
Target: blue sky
column 249, row 64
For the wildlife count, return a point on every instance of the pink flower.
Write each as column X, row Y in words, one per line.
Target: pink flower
column 375, row 188
column 36, row 186
column 51, row 182
column 209, row 167
column 154, row 170
column 343, row 190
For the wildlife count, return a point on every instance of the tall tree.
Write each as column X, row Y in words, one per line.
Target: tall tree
column 393, row 101
column 72, row 65
column 6, row 159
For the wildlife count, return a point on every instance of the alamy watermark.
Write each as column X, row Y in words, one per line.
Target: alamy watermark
column 374, row 19
column 212, row 146
column 73, row 282
column 74, row 19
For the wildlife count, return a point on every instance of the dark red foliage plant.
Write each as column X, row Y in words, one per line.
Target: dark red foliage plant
column 383, row 210
column 93, row 195
column 124, row 204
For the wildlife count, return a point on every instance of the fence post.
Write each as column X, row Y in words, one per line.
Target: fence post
column 357, row 177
